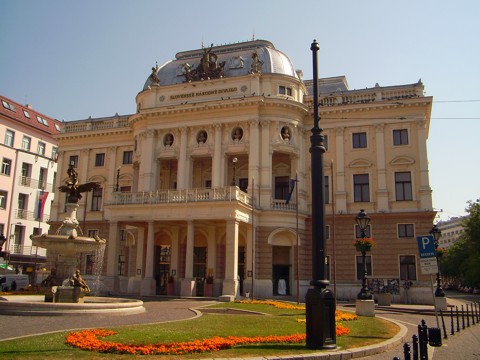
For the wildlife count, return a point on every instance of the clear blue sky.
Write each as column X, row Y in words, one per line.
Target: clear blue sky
column 75, row 59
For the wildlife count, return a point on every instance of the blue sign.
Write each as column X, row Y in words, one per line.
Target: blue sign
column 426, row 246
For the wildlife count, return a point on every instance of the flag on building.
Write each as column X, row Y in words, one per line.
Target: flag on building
column 292, row 187
column 42, row 199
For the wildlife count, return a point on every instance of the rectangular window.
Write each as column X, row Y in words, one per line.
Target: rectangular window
column 9, row 137
column 90, row 264
column 26, row 113
column 128, row 157
column 403, row 186
column 92, row 233
column 360, row 269
column 326, row 194
column 26, row 172
column 282, row 187
column 327, row 267
column 97, row 199
column 100, row 159
column 361, row 191
column 405, row 231
column 6, row 166
column 359, row 140
column 42, row 121
column 327, row 232
column 284, row 90
column 73, row 161
column 42, row 178
column 400, row 137
column 54, row 153
column 125, row 188
column 358, row 232
column 408, row 269
column 325, row 142
column 26, row 142
column 3, row 199
column 41, row 148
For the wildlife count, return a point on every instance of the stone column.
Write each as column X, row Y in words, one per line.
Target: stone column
column 266, row 165
column 230, row 283
column 217, row 158
column 135, row 280
column 425, row 189
column 188, row 282
column 182, row 171
column 341, row 194
column 112, row 256
column 254, row 156
column 148, row 166
column 148, row 283
column 382, row 191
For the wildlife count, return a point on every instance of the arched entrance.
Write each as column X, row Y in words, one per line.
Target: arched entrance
column 282, row 241
column 162, row 258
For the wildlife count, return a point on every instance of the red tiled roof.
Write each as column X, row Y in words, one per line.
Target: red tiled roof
column 33, row 121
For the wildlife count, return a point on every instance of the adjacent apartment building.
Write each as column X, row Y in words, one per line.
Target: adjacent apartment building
column 205, row 190
column 28, row 152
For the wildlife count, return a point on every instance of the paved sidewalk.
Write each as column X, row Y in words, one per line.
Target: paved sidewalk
column 464, row 344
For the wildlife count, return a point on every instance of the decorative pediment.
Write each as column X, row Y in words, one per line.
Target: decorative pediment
column 358, row 163
column 402, row 160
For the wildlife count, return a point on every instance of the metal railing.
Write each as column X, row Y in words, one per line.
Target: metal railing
column 26, row 250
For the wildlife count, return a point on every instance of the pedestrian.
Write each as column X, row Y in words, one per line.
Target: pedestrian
column 406, row 288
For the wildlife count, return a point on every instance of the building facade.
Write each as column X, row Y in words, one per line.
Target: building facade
column 29, row 155
column 452, row 230
column 205, row 190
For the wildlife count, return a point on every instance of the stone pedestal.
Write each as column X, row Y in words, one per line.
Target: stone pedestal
column 365, row 307
column 441, row 303
column 67, row 294
column 384, row 299
column 226, row 298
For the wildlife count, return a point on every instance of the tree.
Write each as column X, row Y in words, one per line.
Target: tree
column 462, row 260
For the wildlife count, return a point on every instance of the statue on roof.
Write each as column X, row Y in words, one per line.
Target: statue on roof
column 154, row 79
column 73, row 189
column 209, row 67
column 256, row 67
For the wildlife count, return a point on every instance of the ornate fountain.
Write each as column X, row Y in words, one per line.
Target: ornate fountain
column 68, row 242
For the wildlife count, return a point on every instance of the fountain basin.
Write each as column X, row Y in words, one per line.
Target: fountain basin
column 35, row 305
column 66, row 245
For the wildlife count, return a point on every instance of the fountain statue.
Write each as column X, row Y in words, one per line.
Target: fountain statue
column 68, row 242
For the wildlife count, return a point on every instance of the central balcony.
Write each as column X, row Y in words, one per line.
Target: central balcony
column 230, row 193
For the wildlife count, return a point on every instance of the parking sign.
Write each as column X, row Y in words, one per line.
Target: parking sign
column 428, row 260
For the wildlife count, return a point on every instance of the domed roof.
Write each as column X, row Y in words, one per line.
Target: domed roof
column 257, row 56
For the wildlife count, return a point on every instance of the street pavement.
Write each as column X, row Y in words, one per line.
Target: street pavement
column 464, row 344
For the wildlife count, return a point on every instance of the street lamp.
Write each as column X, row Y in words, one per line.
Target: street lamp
column 319, row 301
column 437, row 233
column 234, row 180
column 362, row 221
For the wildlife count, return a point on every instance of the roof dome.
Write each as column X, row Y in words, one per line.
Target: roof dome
column 257, row 56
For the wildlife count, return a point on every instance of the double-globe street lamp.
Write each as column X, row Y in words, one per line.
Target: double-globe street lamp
column 363, row 221
column 437, row 233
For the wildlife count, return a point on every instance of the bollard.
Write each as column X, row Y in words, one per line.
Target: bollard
column 458, row 321
column 473, row 314
column 476, row 313
column 434, row 337
column 406, row 352
column 423, row 340
column 452, row 329
column 463, row 319
column 415, row 347
column 468, row 316
column 443, row 326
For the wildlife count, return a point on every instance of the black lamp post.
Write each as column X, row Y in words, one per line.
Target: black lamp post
column 437, row 233
column 363, row 220
column 234, row 180
column 319, row 301
column 2, row 241
column 118, row 179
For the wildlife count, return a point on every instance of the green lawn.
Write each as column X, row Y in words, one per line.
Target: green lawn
column 277, row 322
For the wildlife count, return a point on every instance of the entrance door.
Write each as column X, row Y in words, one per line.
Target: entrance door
column 162, row 268
column 199, row 268
column 281, row 270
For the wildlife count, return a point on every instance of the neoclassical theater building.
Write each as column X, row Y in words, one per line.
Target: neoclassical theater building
column 205, row 190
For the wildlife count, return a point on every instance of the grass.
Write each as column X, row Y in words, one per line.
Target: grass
column 365, row 330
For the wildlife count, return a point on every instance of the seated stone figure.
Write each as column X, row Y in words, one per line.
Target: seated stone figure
column 79, row 282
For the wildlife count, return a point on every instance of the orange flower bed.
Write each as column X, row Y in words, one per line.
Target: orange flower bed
column 91, row 340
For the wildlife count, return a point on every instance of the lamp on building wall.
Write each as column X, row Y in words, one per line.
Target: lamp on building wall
column 437, row 234
column 234, row 180
column 118, row 179
column 363, row 221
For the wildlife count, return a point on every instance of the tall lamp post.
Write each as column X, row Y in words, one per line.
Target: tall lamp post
column 437, row 233
column 319, row 301
column 362, row 221
column 234, row 180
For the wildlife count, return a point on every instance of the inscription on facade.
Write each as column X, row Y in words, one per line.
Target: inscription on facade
column 203, row 93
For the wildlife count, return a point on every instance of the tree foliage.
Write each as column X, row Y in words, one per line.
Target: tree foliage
column 462, row 260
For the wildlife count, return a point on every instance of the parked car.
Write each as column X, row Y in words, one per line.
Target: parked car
column 11, row 282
